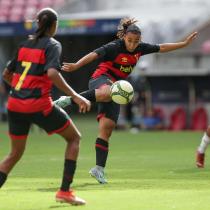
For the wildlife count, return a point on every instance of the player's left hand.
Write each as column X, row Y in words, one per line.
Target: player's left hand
column 190, row 38
column 69, row 67
column 83, row 103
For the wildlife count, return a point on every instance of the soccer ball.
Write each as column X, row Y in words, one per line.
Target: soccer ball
column 122, row 92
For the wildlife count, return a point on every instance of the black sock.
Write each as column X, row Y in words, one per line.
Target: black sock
column 3, row 178
column 102, row 149
column 68, row 174
column 88, row 94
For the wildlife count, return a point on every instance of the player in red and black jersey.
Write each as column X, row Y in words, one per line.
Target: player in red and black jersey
column 31, row 74
column 118, row 59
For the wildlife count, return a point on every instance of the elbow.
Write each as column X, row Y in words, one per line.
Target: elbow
column 7, row 75
column 94, row 55
column 163, row 49
column 51, row 73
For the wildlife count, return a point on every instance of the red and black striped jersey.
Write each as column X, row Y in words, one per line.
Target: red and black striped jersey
column 30, row 87
column 117, row 62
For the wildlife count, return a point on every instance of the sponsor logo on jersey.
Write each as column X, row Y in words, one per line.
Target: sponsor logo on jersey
column 126, row 69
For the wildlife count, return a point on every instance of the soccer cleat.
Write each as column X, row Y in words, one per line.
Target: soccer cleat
column 63, row 101
column 98, row 174
column 69, row 197
column 200, row 158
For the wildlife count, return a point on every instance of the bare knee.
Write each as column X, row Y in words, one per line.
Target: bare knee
column 103, row 94
column 106, row 130
column 74, row 138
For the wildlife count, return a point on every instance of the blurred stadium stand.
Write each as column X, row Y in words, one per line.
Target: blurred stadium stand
column 18, row 10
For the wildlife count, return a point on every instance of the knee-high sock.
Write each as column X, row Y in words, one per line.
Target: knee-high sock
column 102, row 149
column 89, row 94
column 3, row 178
column 68, row 174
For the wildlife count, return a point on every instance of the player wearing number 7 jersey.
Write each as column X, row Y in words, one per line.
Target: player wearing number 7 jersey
column 31, row 74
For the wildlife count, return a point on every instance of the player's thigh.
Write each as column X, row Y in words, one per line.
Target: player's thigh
column 99, row 82
column 19, row 125
column 109, row 110
column 54, row 122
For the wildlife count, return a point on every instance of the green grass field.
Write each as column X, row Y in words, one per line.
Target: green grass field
column 145, row 171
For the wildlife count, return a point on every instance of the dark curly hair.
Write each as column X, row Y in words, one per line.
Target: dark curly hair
column 127, row 24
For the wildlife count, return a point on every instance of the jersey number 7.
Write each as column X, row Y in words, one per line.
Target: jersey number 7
column 27, row 66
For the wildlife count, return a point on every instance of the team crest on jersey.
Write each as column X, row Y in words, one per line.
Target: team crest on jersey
column 124, row 59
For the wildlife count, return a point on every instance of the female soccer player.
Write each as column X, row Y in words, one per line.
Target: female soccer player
column 31, row 75
column 119, row 58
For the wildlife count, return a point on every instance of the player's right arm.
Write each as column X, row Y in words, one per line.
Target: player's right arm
column 82, row 62
column 61, row 84
column 103, row 51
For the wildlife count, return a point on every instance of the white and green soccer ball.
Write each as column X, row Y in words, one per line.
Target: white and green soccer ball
column 122, row 92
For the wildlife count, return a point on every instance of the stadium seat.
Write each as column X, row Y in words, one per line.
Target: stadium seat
column 30, row 13
column 19, row 10
column 178, row 119
column 199, row 119
column 19, row 3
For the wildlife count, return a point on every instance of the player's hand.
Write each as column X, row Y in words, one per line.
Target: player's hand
column 69, row 67
column 190, row 38
column 83, row 103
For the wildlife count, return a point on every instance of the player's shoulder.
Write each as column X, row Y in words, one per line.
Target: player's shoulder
column 53, row 42
column 114, row 44
column 117, row 42
column 144, row 44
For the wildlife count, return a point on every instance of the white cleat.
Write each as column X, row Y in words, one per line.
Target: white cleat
column 98, row 173
column 63, row 101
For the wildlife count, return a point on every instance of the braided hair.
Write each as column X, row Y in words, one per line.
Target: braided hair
column 127, row 25
column 45, row 19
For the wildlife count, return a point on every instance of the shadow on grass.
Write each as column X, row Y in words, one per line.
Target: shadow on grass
column 60, row 206
column 81, row 187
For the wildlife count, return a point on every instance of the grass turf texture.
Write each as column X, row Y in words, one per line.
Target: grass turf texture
column 148, row 171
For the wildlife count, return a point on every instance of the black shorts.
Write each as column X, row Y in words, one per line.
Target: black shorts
column 110, row 109
column 20, row 123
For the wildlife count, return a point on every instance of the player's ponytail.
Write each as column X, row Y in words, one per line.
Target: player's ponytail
column 126, row 25
column 45, row 19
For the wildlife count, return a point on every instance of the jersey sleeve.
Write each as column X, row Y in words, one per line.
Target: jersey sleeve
column 146, row 48
column 106, row 50
column 53, row 54
column 12, row 64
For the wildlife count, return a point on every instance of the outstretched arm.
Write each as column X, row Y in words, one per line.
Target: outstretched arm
column 82, row 62
column 166, row 47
